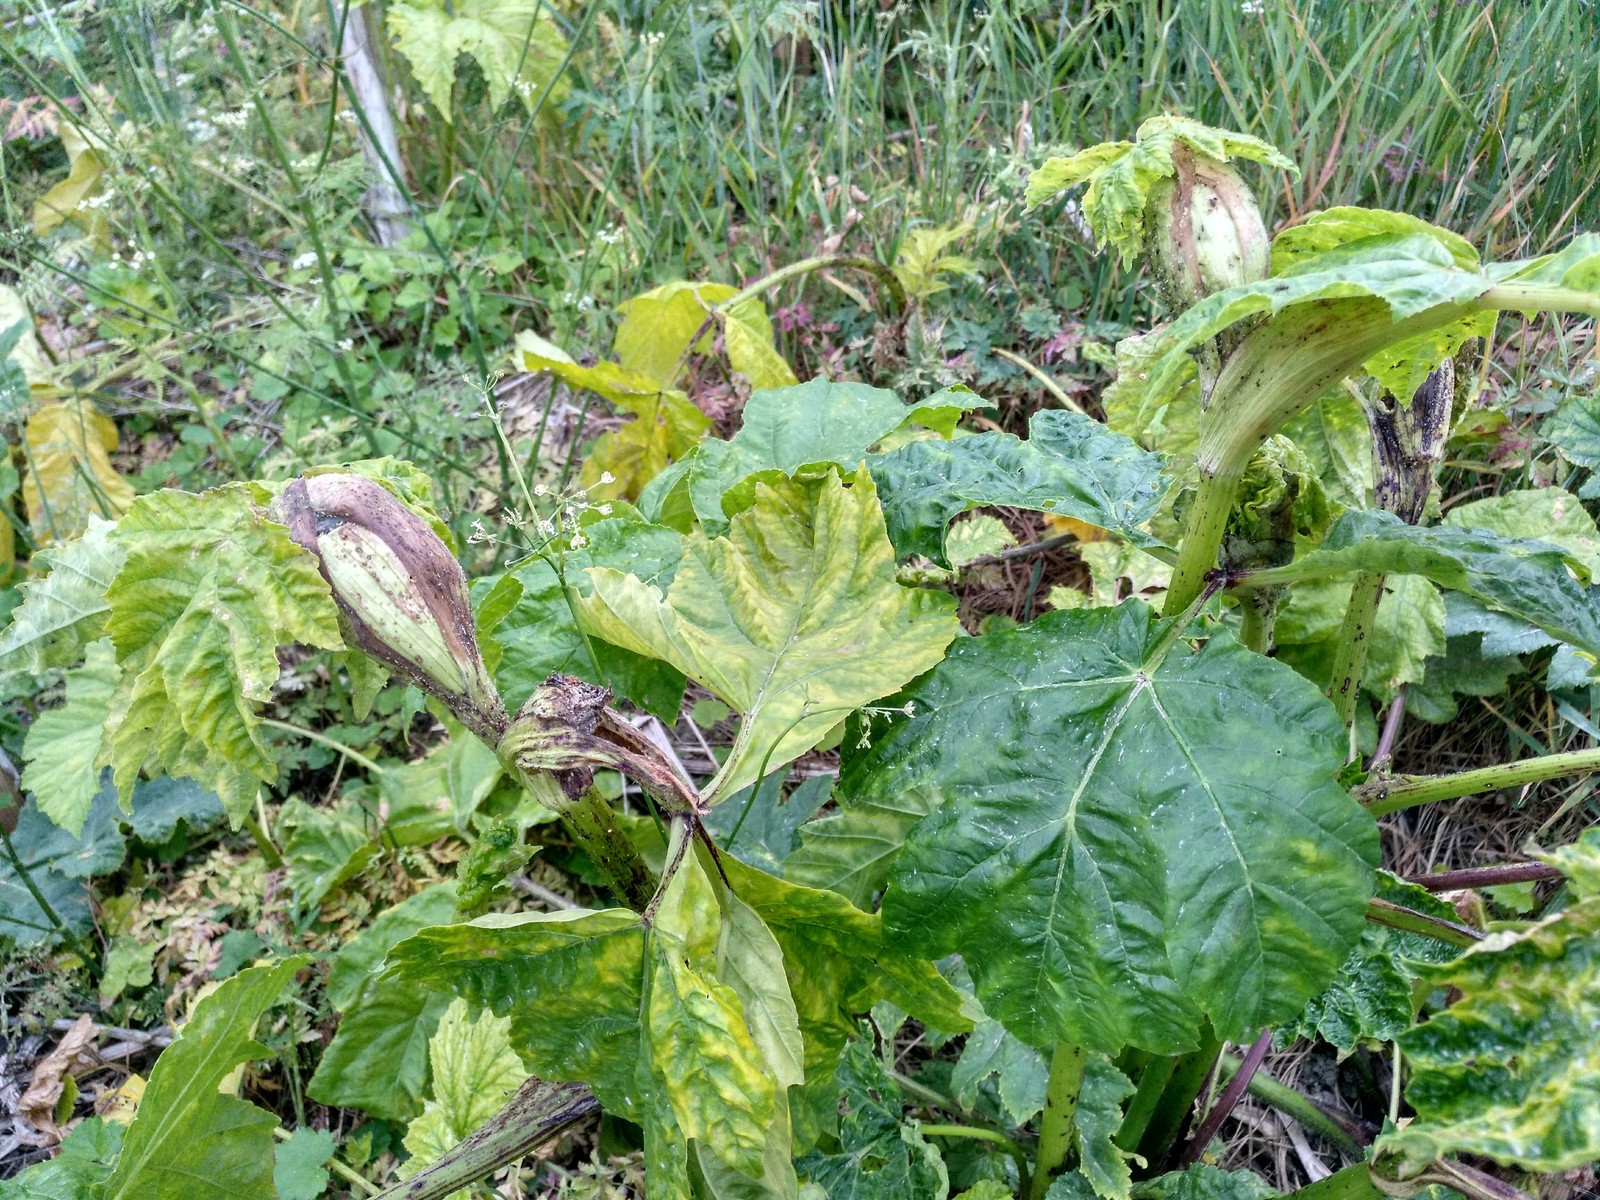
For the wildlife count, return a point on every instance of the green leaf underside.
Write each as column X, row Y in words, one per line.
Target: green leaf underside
column 1511, row 1070
column 1526, row 579
column 1070, row 465
column 209, row 590
column 66, row 607
column 1125, row 846
column 378, row 1059
column 538, row 634
column 794, row 619
column 186, row 1130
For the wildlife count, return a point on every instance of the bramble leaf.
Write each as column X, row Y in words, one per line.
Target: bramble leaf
column 1069, row 466
column 70, row 478
column 1511, row 1070
column 474, row 1073
column 794, row 619
column 209, row 590
column 185, row 1128
column 515, row 43
column 1176, row 847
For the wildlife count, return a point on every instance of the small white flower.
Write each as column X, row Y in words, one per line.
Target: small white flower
column 243, row 165
column 607, row 477
column 302, row 261
column 346, row 345
column 547, row 528
column 578, row 541
column 233, row 118
column 605, row 510
column 540, row 489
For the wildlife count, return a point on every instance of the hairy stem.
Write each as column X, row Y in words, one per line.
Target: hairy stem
column 1407, row 791
column 1060, row 1110
column 1292, row 1104
column 1202, row 538
column 1355, row 642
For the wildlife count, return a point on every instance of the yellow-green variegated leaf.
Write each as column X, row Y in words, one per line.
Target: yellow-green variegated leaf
column 660, row 327
column 794, row 619
column 70, row 200
column 69, row 476
column 515, row 43
column 1511, row 1070
column 475, row 1071
column 62, row 751
column 66, row 606
column 209, row 590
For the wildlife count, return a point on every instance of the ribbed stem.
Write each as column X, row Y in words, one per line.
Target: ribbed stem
column 1060, row 1110
column 1355, row 643
column 1408, row 791
column 594, row 827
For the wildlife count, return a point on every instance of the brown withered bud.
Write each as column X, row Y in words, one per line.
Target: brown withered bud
column 402, row 593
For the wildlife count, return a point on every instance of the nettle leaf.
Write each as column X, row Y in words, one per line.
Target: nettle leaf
column 1511, row 1070
column 1371, row 998
column 794, row 619
column 378, row 1059
column 516, row 44
column 62, row 749
column 475, row 1071
column 882, row 1154
column 527, row 614
column 65, row 608
column 186, row 1129
column 1526, row 579
column 1135, row 835
column 209, row 590
column 1070, row 466
column 70, row 477
column 1120, row 174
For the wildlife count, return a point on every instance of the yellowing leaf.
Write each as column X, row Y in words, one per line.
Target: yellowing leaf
column 661, row 326
column 922, row 259
column 68, row 200
column 25, row 353
column 69, row 476
column 794, row 619
column 209, row 591
column 747, row 337
column 514, row 42
column 63, row 746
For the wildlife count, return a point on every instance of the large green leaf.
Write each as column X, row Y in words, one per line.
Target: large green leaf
column 378, row 1059
column 1069, row 466
column 475, row 1071
column 1511, row 1070
column 1134, row 834
column 1547, row 514
column 1527, row 579
column 209, row 590
column 882, row 1154
column 516, row 44
column 186, row 1129
column 850, row 851
column 794, row 619
column 66, row 607
column 529, row 617
column 62, row 750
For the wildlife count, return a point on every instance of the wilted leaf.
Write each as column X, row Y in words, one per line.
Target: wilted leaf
column 661, row 326
column 186, row 1129
column 1175, row 848
column 1511, row 1070
column 1070, row 465
column 209, row 590
column 69, row 477
column 516, row 44
column 794, row 619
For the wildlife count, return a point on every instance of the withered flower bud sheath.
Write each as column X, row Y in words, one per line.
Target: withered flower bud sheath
column 402, row 593
column 1205, row 230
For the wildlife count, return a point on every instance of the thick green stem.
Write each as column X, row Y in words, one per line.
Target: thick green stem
column 1189, row 1075
column 1060, row 1109
column 1292, row 1104
column 1153, row 1080
column 1202, row 539
column 1352, row 1183
column 822, row 262
column 1258, row 612
column 594, row 826
column 1407, row 791
column 1355, row 642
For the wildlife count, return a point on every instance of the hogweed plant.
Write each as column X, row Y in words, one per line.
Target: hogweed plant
column 1104, row 844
